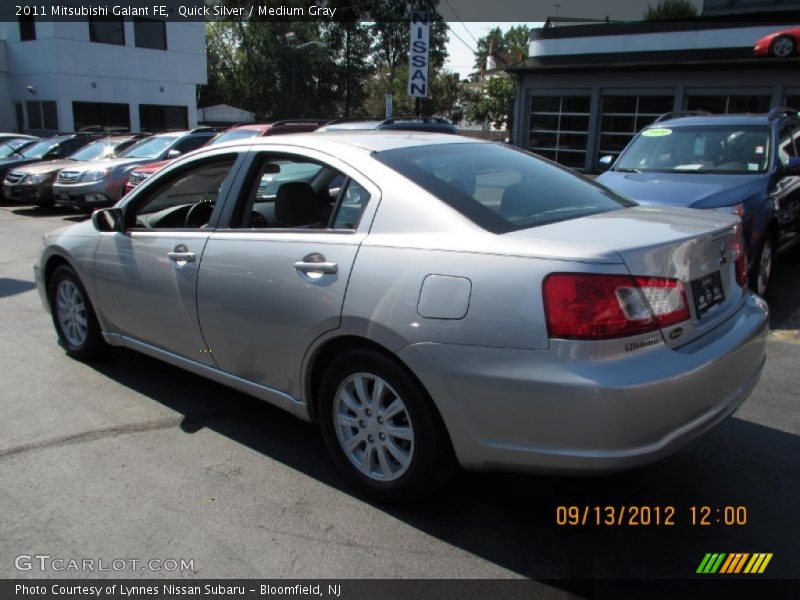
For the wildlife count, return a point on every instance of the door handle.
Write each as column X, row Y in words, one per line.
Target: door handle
column 316, row 263
column 181, row 254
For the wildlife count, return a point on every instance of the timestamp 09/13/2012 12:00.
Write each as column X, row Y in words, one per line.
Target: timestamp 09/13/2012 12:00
column 646, row 515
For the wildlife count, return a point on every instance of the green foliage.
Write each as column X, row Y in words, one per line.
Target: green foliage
column 493, row 102
column 514, row 41
column 670, row 9
column 250, row 62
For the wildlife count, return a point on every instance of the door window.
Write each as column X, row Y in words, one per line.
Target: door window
column 185, row 200
column 296, row 193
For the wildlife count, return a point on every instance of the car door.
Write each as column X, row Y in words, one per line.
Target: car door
column 146, row 276
column 273, row 282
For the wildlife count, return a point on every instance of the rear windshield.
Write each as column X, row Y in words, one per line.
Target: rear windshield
column 501, row 188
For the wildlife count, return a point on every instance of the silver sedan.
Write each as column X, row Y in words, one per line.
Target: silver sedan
column 429, row 300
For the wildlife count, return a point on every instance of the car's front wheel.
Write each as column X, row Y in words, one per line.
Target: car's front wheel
column 73, row 315
column 381, row 429
column 783, row 47
column 762, row 267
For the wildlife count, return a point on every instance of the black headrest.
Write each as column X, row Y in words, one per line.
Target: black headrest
column 296, row 204
column 518, row 201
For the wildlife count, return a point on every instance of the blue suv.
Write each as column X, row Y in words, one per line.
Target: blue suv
column 748, row 164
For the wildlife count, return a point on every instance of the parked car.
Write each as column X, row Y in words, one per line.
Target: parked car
column 429, row 124
column 239, row 132
column 10, row 147
column 781, row 44
column 422, row 297
column 102, row 183
column 33, row 184
column 747, row 164
column 48, row 149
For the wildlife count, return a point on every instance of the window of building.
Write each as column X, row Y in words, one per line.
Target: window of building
column 624, row 116
column 150, row 33
column 42, row 115
column 559, row 128
column 20, row 114
column 105, row 115
column 729, row 104
column 27, row 29
column 792, row 102
column 159, row 117
column 107, row 30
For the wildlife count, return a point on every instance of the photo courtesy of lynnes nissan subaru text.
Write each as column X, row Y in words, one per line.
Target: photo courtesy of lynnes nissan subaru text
column 430, row 300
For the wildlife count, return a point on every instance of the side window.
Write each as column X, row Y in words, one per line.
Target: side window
column 185, row 199
column 189, row 144
column 291, row 192
column 350, row 207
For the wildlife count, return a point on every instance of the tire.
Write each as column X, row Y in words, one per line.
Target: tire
column 73, row 316
column 783, row 46
column 397, row 452
column 761, row 273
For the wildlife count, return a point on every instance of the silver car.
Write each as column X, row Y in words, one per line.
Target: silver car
column 429, row 300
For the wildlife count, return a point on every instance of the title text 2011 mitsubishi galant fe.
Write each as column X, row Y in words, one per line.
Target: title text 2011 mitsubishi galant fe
column 429, row 300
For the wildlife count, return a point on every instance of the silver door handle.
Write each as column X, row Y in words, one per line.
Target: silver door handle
column 181, row 256
column 316, row 267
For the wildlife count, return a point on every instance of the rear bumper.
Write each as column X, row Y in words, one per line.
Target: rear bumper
column 548, row 411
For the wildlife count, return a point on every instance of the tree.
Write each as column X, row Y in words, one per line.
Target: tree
column 494, row 102
column 514, row 41
column 670, row 9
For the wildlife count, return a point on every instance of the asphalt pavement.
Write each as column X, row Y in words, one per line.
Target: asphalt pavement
column 130, row 458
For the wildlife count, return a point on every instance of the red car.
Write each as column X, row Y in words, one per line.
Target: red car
column 781, row 44
column 233, row 133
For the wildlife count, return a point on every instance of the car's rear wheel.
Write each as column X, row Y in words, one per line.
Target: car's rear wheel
column 762, row 268
column 381, row 429
column 73, row 315
column 783, row 46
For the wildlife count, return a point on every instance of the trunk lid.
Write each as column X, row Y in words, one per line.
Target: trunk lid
column 696, row 247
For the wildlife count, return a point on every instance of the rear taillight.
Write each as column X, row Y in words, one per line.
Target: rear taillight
column 739, row 255
column 582, row 306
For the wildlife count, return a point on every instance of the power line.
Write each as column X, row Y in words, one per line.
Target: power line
column 458, row 18
column 470, row 48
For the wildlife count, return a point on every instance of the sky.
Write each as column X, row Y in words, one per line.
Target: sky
column 461, row 57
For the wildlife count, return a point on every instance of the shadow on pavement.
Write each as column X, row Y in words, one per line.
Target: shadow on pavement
column 510, row 519
column 12, row 287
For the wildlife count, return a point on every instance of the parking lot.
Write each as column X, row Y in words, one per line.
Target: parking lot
column 132, row 458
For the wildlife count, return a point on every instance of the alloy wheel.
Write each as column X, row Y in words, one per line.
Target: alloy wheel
column 71, row 313
column 764, row 267
column 783, row 47
column 373, row 427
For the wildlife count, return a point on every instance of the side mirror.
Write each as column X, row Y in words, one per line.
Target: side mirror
column 606, row 162
column 108, row 219
column 173, row 154
column 792, row 166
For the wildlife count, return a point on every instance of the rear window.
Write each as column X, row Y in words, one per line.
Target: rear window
column 500, row 188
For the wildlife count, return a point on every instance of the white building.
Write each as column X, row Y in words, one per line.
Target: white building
column 139, row 74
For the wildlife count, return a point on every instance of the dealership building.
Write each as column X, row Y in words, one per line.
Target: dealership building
column 137, row 74
column 586, row 89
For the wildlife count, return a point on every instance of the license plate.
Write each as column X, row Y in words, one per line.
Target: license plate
column 65, row 196
column 707, row 292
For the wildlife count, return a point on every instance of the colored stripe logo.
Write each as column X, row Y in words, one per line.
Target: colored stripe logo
column 734, row 562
